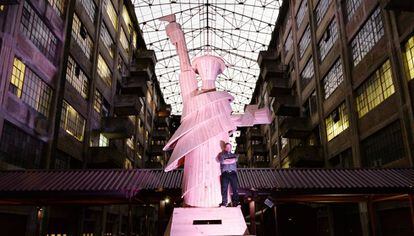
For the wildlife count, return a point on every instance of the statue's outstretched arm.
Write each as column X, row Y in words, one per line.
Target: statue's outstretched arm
column 253, row 116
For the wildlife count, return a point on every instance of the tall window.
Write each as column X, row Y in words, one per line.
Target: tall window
column 304, row 41
column 351, row 7
column 90, row 8
column 124, row 40
column 100, row 105
column 288, row 43
column 110, row 10
column 337, row 122
column 77, row 78
column 58, row 5
column 81, row 35
column 307, row 74
column 408, row 55
column 366, row 38
column 19, row 148
column 36, row 30
column 321, row 9
column 301, row 12
column 375, row 90
column 333, row 79
column 328, row 39
column 72, row 122
column 107, row 39
column 127, row 19
column 103, row 71
column 25, row 84
column 383, row 147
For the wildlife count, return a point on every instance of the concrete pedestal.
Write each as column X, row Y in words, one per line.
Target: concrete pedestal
column 206, row 221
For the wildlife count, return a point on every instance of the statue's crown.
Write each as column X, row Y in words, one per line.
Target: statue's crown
column 208, row 67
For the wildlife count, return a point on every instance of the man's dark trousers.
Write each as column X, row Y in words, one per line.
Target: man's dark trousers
column 226, row 178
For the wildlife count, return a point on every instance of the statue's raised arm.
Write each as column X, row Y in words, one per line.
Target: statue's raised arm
column 187, row 78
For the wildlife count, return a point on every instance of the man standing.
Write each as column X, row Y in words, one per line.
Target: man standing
column 228, row 166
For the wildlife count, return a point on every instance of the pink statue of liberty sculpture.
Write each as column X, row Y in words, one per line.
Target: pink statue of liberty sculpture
column 206, row 122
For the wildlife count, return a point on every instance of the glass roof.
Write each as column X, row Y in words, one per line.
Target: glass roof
column 234, row 30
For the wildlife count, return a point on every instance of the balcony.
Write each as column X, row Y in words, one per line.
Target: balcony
column 286, row 106
column 255, row 134
column 270, row 66
column 306, row 156
column 164, row 110
column 259, row 149
column 106, row 157
column 398, row 5
column 160, row 134
column 9, row 2
column 161, row 121
column 134, row 85
column 117, row 127
column 127, row 105
column 295, row 127
column 279, row 88
column 156, row 150
column 143, row 66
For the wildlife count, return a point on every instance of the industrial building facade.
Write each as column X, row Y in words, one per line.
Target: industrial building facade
column 78, row 90
column 338, row 76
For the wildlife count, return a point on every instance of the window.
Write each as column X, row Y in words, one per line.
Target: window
column 124, row 40
column 301, row 12
column 100, row 105
column 351, row 7
column 90, row 8
column 307, row 74
column 103, row 71
column 288, row 43
column 333, row 79
column 103, row 141
column 304, row 41
column 36, row 30
column 342, row 160
column 81, row 35
column 336, row 122
column 310, row 107
column 127, row 19
column 72, row 122
column 383, row 147
column 25, row 84
column 19, row 148
column 328, row 39
column 58, row 5
column 107, row 39
column 110, row 10
column 77, row 78
column 375, row 90
column 370, row 33
column 321, row 9
column 408, row 55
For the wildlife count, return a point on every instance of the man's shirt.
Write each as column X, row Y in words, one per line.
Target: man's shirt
column 225, row 156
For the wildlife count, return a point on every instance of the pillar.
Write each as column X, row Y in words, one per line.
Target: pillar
column 252, row 210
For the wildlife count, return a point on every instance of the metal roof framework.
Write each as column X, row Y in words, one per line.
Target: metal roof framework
column 234, row 30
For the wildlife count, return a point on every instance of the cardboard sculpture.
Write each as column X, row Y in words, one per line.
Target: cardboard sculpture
column 206, row 122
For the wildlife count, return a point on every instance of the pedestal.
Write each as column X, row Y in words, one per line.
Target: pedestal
column 206, row 221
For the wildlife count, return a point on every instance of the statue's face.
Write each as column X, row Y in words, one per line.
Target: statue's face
column 228, row 148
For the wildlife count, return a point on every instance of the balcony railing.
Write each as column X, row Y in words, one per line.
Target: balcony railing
column 286, row 106
column 117, row 127
column 127, row 105
column 143, row 65
column 106, row 157
column 398, row 5
column 295, row 127
column 306, row 156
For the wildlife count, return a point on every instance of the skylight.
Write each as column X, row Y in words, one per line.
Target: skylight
column 234, row 30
